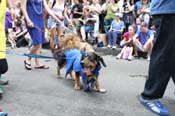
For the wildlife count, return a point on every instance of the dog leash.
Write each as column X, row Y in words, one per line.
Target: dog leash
column 27, row 54
column 31, row 55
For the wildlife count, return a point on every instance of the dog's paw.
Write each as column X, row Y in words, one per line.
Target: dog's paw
column 72, row 78
column 59, row 76
column 77, row 87
column 101, row 90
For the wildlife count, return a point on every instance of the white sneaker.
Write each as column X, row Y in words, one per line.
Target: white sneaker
column 119, row 56
column 114, row 47
column 130, row 58
column 109, row 46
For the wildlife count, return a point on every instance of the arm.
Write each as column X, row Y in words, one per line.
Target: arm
column 26, row 16
column 99, row 9
column 65, row 15
column 131, row 7
column 114, row 8
column 21, row 33
column 10, row 5
column 50, row 11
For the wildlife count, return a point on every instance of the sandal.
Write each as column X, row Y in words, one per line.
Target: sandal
column 42, row 67
column 27, row 65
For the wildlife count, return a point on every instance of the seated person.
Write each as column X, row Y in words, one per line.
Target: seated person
column 117, row 27
column 143, row 40
column 17, row 36
column 127, row 50
column 143, row 11
column 87, row 21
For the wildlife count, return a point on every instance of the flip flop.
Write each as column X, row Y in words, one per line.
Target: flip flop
column 42, row 67
column 27, row 65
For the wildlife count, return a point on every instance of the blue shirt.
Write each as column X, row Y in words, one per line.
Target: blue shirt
column 117, row 26
column 162, row 7
column 137, row 5
column 143, row 37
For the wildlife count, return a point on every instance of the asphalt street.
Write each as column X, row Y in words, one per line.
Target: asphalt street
column 39, row 93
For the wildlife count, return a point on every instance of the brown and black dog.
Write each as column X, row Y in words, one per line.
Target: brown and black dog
column 71, row 51
column 91, row 65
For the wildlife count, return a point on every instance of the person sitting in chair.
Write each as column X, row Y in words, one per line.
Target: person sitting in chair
column 117, row 27
column 87, row 22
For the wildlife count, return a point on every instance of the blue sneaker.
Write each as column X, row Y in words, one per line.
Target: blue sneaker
column 3, row 114
column 155, row 107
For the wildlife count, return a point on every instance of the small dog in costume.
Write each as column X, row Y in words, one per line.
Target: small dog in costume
column 91, row 66
column 77, row 56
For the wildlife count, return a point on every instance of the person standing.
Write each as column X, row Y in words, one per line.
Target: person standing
column 162, row 61
column 77, row 11
column 3, row 61
column 57, row 30
column 33, row 13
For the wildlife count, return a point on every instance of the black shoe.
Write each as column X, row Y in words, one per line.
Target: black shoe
column 3, row 82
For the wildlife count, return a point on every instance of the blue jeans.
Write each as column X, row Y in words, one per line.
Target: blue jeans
column 112, row 37
column 107, row 24
column 87, row 28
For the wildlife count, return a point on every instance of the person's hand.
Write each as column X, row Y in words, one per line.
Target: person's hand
column 61, row 18
column 30, row 24
column 12, row 14
column 82, row 21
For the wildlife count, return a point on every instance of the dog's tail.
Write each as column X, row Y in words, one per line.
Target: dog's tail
column 101, row 60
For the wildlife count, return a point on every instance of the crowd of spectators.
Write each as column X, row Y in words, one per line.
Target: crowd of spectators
column 89, row 19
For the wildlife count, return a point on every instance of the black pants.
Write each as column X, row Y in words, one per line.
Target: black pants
column 3, row 66
column 162, row 62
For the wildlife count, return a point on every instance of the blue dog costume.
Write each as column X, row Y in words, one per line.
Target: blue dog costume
column 73, row 62
column 90, row 81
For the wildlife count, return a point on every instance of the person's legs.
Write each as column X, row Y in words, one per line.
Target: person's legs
column 76, row 23
column 83, row 34
column 136, row 45
column 3, row 66
column 60, row 31
column 3, row 69
column 161, row 64
column 107, row 24
column 130, row 54
column 121, row 53
column 52, row 40
column 114, row 38
column 34, row 50
column 109, row 37
column 148, row 47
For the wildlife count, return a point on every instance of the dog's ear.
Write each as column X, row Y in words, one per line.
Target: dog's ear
column 101, row 60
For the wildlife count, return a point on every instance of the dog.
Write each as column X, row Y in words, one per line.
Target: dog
column 71, row 59
column 91, row 66
column 77, row 56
